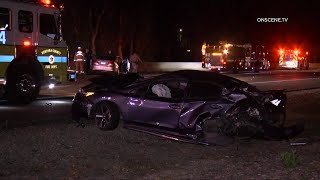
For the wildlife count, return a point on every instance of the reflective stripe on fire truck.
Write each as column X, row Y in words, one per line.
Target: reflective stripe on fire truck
column 57, row 59
column 7, row 50
column 295, row 60
column 281, row 59
column 6, row 58
column 43, row 59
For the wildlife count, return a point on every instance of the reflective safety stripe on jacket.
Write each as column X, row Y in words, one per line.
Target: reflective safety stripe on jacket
column 79, row 56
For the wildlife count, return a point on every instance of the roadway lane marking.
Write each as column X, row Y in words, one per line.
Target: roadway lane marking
column 265, row 82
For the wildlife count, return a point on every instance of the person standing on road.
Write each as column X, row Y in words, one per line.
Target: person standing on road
column 88, row 59
column 79, row 60
column 134, row 60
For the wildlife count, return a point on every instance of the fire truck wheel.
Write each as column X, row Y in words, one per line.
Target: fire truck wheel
column 306, row 65
column 23, row 83
column 301, row 65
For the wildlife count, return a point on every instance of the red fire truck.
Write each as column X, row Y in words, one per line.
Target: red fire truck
column 235, row 57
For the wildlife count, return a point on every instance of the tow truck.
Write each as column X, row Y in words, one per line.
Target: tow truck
column 235, row 57
column 33, row 53
column 293, row 59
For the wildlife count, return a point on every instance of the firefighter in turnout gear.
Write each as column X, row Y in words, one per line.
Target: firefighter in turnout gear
column 79, row 61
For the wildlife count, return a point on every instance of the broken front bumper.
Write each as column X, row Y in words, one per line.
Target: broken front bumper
column 81, row 107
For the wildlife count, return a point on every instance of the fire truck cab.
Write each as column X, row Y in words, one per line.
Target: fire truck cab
column 293, row 59
column 32, row 51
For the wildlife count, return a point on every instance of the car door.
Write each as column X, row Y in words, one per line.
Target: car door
column 202, row 97
column 160, row 105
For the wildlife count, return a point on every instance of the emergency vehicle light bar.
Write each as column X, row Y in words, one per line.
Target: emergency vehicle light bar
column 46, row 2
column 281, row 51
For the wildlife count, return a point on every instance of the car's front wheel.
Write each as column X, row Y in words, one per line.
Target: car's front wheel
column 106, row 116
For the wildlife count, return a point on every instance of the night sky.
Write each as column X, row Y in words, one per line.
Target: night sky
column 210, row 20
column 233, row 20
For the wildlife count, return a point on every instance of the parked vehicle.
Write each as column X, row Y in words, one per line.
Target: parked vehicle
column 104, row 64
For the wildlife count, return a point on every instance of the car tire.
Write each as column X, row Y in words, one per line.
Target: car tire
column 301, row 66
column 24, row 83
column 106, row 116
column 306, row 65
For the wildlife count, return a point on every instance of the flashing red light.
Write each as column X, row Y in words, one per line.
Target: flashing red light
column 46, row 2
column 296, row 52
column 26, row 43
column 281, row 51
column 307, row 53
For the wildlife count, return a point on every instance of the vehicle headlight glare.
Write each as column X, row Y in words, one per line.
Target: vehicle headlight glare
column 89, row 94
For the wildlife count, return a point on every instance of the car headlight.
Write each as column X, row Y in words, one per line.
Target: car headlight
column 276, row 102
column 89, row 94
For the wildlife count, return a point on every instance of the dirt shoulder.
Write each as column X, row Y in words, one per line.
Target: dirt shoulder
column 64, row 151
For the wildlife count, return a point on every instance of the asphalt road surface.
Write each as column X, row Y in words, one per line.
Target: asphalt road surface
column 54, row 105
column 290, row 80
column 38, row 112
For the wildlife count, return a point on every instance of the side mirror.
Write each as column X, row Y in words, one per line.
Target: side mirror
column 225, row 92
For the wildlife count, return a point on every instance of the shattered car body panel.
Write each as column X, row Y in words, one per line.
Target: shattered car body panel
column 199, row 107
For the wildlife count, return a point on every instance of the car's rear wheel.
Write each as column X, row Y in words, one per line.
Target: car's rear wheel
column 106, row 116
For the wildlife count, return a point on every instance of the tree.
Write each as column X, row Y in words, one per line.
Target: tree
column 95, row 18
column 121, row 25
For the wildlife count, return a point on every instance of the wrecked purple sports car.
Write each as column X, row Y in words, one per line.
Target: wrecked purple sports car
column 188, row 105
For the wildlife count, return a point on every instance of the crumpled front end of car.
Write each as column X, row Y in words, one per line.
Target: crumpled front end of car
column 81, row 106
